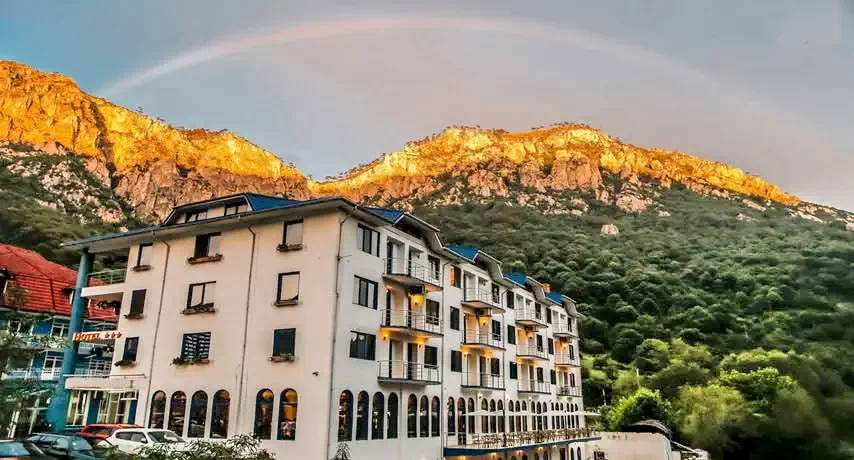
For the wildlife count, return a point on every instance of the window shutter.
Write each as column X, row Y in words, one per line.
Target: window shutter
column 513, row 371
column 137, row 302
column 551, row 347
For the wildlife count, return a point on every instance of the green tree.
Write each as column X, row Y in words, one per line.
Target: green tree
column 707, row 414
column 652, row 355
column 641, row 405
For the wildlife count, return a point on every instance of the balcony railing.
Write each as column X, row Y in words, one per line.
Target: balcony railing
column 34, row 374
column 407, row 372
column 411, row 273
column 534, row 386
column 487, row 381
column 415, row 322
column 530, row 351
column 564, row 359
column 520, row 439
column 114, row 276
column 567, row 390
column 562, row 330
column 530, row 316
column 481, row 298
column 484, row 338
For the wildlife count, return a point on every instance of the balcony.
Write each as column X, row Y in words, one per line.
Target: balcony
column 478, row 444
column 535, row 386
column 531, row 351
column 484, row 340
column 106, row 285
column 564, row 359
column 481, row 299
column 407, row 372
column 42, row 374
column 411, row 274
column 482, row 381
column 562, row 331
column 566, row 390
column 411, row 324
column 114, row 276
column 530, row 317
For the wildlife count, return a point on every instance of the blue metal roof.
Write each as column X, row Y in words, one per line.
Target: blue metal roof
column 391, row 215
column 556, row 296
column 263, row 202
column 518, row 278
column 467, row 252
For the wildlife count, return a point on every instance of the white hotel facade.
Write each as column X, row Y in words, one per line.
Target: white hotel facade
column 319, row 322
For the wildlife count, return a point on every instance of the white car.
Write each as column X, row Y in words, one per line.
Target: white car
column 130, row 440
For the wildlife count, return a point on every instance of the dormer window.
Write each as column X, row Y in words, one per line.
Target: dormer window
column 236, row 209
column 195, row 216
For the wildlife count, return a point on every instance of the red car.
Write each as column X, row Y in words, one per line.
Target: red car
column 100, row 431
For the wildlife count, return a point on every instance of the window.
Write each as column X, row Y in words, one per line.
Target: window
column 456, row 276
column 369, row 240
column 538, row 311
column 207, row 245
column 219, row 415
column 549, row 315
column 424, row 419
column 433, row 263
column 456, row 361
column 471, row 417
column 572, row 380
column 412, row 417
column 292, row 234
column 377, row 416
column 511, row 334
column 287, row 291
column 484, row 420
column 496, row 330
column 539, row 342
column 513, row 371
column 58, row 329
column 194, row 216
column 451, row 420
column 571, row 351
column 511, row 300
column 131, row 345
column 551, row 347
column 455, row 318
column 201, row 295
column 432, row 309
column 461, row 416
column 434, row 416
column 431, row 357
column 143, row 255
column 196, row 346
column 137, row 302
column 177, row 407
column 539, row 374
column 284, row 342
column 345, row 416
column 158, row 410
column 553, row 377
column 236, row 208
column 362, row 346
column 495, row 366
column 198, row 413
column 365, row 293
column 362, row 417
column 391, row 416
column 263, row 414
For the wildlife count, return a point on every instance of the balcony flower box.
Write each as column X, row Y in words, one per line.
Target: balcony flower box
column 134, row 316
column 179, row 361
column 286, row 357
column 286, row 302
column 125, row 363
column 204, row 259
column 289, row 247
column 199, row 309
column 141, row 268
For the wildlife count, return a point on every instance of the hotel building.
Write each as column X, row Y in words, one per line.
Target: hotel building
column 315, row 323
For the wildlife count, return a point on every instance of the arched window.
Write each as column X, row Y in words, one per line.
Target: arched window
column 377, row 416
column 484, row 419
column 362, row 416
column 158, row 410
column 412, row 416
column 345, row 416
column 545, row 456
column 219, row 415
column 452, row 417
column 263, row 427
column 461, row 416
column 198, row 414
column 287, row 416
column 524, row 406
column 471, row 417
column 578, row 453
column 571, row 453
column 424, row 417
column 177, row 411
column 493, row 421
column 392, row 416
column 434, row 416
column 500, row 416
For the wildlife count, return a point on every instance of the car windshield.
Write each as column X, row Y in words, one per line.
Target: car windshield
column 80, row 444
column 19, row 449
column 165, row 436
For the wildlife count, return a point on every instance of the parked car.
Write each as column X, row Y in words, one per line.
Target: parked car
column 63, row 446
column 130, row 440
column 11, row 450
column 96, row 432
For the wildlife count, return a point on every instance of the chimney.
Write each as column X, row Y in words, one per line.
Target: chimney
column 546, row 287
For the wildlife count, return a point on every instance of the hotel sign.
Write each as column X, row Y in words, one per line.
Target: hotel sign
column 97, row 337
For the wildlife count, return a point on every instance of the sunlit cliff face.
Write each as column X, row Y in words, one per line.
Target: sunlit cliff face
column 156, row 166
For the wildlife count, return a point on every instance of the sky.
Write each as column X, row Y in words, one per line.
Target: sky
column 765, row 85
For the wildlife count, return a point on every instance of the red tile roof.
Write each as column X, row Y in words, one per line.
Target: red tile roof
column 47, row 284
